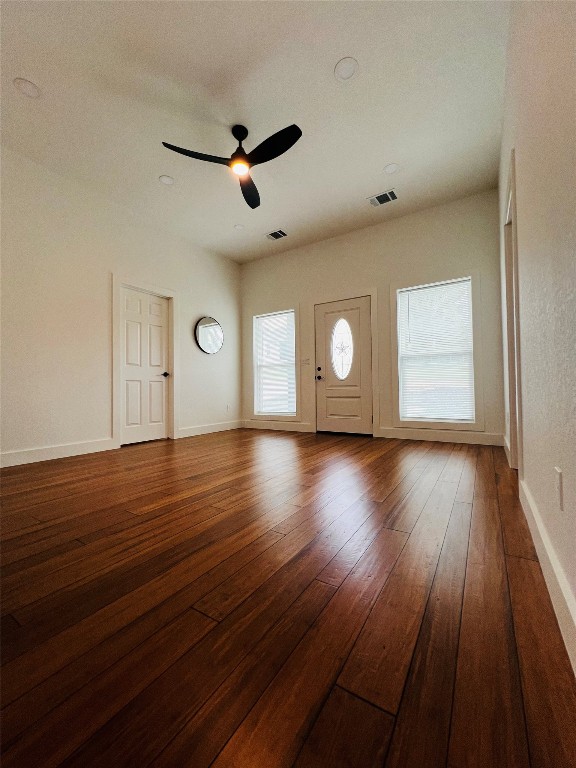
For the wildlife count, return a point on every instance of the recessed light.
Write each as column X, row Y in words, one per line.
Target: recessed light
column 239, row 227
column 168, row 180
column 346, row 69
column 391, row 168
column 27, row 88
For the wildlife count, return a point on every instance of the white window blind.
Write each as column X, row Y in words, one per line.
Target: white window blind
column 435, row 355
column 274, row 364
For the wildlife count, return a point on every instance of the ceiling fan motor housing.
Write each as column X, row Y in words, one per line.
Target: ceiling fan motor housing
column 240, row 132
column 239, row 155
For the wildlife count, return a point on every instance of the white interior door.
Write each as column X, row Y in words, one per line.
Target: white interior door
column 144, row 366
column 515, row 433
column 511, row 343
column 344, row 366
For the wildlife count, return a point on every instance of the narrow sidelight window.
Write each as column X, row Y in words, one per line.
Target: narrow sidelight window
column 435, row 354
column 275, row 364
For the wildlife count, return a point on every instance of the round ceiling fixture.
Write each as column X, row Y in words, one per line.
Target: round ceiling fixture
column 168, row 180
column 27, row 88
column 391, row 168
column 346, row 69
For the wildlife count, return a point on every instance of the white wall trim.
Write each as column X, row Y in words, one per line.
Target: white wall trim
column 29, row 456
column 506, row 445
column 46, row 453
column 443, row 435
column 32, row 455
column 440, row 435
column 286, row 426
column 563, row 599
column 204, row 429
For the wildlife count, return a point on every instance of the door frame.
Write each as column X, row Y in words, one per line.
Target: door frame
column 373, row 294
column 172, row 416
column 514, row 451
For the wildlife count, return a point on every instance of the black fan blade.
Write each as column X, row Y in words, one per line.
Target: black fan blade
column 275, row 145
column 197, row 155
column 249, row 191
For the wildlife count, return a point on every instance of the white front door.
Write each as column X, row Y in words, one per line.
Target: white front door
column 344, row 366
column 144, row 366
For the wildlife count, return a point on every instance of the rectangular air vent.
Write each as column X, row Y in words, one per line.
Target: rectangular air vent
column 276, row 235
column 384, row 197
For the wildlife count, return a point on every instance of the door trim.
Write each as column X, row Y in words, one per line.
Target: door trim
column 119, row 282
column 510, row 441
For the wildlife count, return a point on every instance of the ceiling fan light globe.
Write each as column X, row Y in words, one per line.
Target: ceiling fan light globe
column 240, row 168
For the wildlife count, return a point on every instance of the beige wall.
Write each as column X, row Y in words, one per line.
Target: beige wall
column 540, row 125
column 61, row 243
column 440, row 243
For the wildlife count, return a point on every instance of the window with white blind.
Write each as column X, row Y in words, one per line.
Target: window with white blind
column 435, row 352
column 275, row 364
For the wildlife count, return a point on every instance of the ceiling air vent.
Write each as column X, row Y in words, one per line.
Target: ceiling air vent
column 276, row 235
column 384, row 197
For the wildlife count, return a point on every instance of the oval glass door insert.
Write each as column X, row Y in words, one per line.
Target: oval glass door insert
column 342, row 349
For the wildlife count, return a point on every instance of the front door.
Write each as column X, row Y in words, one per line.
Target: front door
column 344, row 366
column 144, row 366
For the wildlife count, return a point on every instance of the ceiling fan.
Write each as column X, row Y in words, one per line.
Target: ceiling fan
column 240, row 162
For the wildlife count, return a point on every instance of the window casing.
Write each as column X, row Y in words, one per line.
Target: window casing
column 435, row 337
column 275, row 364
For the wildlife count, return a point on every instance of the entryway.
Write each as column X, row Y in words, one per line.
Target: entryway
column 144, row 367
column 344, row 366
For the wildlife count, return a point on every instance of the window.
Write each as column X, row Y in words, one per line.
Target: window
column 342, row 349
column 274, row 364
column 435, row 352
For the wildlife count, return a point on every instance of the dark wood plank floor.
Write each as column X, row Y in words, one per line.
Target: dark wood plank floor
column 261, row 599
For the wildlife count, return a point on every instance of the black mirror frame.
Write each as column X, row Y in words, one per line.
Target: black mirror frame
column 196, row 335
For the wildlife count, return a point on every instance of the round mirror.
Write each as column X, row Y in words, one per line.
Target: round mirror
column 209, row 335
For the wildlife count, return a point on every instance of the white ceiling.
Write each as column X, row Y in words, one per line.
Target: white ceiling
column 118, row 78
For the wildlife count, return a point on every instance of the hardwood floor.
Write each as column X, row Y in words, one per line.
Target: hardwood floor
column 261, row 599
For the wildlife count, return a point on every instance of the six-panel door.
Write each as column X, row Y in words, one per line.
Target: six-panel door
column 144, row 361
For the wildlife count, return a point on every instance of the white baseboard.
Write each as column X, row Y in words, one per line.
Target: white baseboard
column 507, row 451
column 400, row 433
column 440, row 435
column 286, row 426
column 563, row 600
column 32, row 455
column 205, row 429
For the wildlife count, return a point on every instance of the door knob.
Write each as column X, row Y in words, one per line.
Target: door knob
column 165, row 374
column 319, row 378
